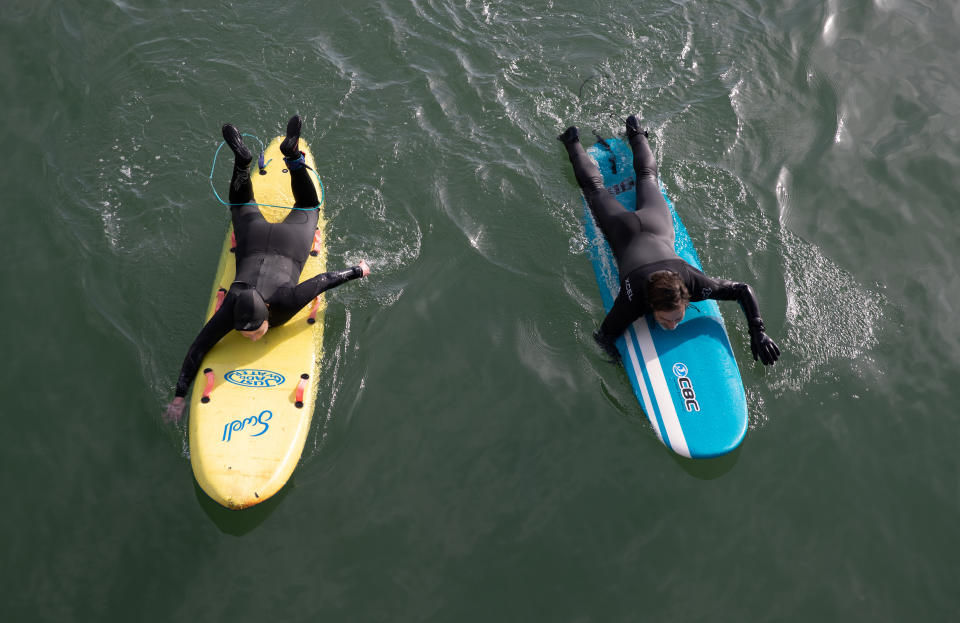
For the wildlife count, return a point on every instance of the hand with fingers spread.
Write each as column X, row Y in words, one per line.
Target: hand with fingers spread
column 762, row 345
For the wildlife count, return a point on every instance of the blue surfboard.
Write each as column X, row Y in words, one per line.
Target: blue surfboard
column 686, row 380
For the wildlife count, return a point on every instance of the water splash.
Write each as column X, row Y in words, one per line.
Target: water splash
column 829, row 316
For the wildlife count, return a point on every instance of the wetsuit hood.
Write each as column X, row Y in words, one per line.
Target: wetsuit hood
column 249, row 309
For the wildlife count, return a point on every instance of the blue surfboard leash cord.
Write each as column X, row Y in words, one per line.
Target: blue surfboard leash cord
column 263, row 170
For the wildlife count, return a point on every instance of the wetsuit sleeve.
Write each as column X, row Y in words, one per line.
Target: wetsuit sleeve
column 620, row 316
column 702, row 287
column 763, row 347
column 309, row 289
column 725, row 290
column 217, row 327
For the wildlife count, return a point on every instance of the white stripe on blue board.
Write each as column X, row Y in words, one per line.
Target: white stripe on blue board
column 642, row 384
column 668, row 411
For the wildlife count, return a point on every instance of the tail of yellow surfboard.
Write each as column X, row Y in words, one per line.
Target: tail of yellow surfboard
column 252, row 404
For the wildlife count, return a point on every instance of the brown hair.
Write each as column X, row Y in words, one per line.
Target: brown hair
column 666, row 291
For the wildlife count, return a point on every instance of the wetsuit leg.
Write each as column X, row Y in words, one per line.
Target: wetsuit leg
column 619, row 225
column 243, row 209
column 244, row 212
column 241, row 188
column 651, row 206
column 294, row 236
column 304, row 191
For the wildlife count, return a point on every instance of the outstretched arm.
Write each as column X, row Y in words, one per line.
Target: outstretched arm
column 763, row 347
column 217, row 327
column 309, row 289
column 620, row 316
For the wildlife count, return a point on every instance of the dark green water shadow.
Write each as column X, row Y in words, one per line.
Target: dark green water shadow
column 240, row 522
column 708, row 469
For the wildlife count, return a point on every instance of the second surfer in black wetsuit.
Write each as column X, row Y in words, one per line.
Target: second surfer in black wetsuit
column 269, row 259
column 653, row 278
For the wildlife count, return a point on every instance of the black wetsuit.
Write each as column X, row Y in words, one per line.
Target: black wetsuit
column 643, row 243
column 269, row 257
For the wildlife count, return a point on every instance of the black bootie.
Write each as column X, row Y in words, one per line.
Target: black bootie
column 570, row 135
column 633, row 127
column 242, row 155
column 290, row 147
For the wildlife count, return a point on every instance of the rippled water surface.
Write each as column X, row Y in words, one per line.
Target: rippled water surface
column 473, row 457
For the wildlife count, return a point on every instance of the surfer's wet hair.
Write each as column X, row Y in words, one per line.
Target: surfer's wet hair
column 666, row 291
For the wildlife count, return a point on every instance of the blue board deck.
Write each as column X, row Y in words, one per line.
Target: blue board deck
column 687, row 380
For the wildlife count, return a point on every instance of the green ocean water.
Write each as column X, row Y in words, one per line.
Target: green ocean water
column 473, row 457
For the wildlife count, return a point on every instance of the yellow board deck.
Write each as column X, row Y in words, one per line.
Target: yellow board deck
column 247, row 436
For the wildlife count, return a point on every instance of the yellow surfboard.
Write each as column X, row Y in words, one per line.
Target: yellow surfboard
column 252, row 402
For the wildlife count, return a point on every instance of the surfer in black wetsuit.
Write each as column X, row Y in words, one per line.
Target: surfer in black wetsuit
column 269, row 259
column 653, row 278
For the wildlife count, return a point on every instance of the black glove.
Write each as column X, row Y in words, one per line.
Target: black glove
column 764, row 348
column 608, row 344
